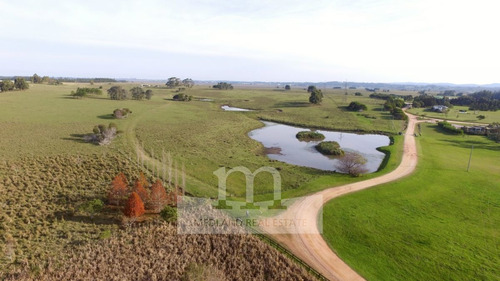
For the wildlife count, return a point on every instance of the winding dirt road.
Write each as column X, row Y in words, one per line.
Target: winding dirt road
column 307, row 242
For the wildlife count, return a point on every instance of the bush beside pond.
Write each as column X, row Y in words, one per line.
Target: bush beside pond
column 329, row 148
column 309, row 136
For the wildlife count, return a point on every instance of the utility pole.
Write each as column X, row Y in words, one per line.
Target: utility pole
column 470, row 157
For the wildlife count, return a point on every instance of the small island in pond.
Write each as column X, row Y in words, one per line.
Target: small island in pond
column 329, row 148
column 309, row 136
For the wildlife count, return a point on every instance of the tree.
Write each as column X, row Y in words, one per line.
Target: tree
column 118, row 190
column 149, row 94
column 356, row 106
column 142, row 192
column 311, row 88
column 287, row 88
column 494, row 131
column 134, row 206
column 117, row 93
column 158, row 197
column 137, row 93
column 188, row 82
column 352, row 164
column 316, row 96
column 35, row 79
column 6, row 85
column 20, row 83
column 173, row 82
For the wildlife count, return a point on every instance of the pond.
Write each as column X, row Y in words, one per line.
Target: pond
column 282, row 145
column 230, row 108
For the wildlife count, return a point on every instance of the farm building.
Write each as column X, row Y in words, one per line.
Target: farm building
column 475, row 130
column 439, row 108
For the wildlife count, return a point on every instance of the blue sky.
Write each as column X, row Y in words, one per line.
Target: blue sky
column 281, row 40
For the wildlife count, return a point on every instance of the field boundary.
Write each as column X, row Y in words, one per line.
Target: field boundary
column 291, row 255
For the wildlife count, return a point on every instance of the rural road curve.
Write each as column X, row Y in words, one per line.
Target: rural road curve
column 306, row 241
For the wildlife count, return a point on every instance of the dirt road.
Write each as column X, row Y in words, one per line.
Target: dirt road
column 307, row 242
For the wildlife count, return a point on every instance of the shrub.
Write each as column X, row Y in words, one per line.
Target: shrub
column 182, row 97
column 169, row 214
column 358, row 94
column 120, row 113
column 102, row 135
column 91, row 207
column 329, row 148
column 447, row 127
column 83, row 92
column 134, row 207
column 356, row 106
column 309, row 136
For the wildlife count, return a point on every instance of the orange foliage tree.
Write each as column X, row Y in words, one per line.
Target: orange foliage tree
column 142, row 192
column 118, row 189
column 158, row 196
column 134, row 207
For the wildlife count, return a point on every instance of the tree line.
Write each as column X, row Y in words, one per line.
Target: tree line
column 483, row 100
column 174, row 82
column 19, row 83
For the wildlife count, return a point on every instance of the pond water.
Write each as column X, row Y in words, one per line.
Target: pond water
column 230, row 108
column 282, row 145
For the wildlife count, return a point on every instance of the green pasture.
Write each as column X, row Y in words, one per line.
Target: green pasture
column 46, row 121
column 455, row 114
column 440, row 223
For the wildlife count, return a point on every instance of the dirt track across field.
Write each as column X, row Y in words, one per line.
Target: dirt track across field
column 306, row 241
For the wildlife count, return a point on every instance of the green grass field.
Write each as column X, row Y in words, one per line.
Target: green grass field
column 455, row 114
column 47, row 171
column 441, row 223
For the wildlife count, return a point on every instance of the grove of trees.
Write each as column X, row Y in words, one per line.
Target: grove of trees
column 19, row 84
column 138, row 93
column 223, row 86
column 117, row 93
column 141, row 197
column 482, row 100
